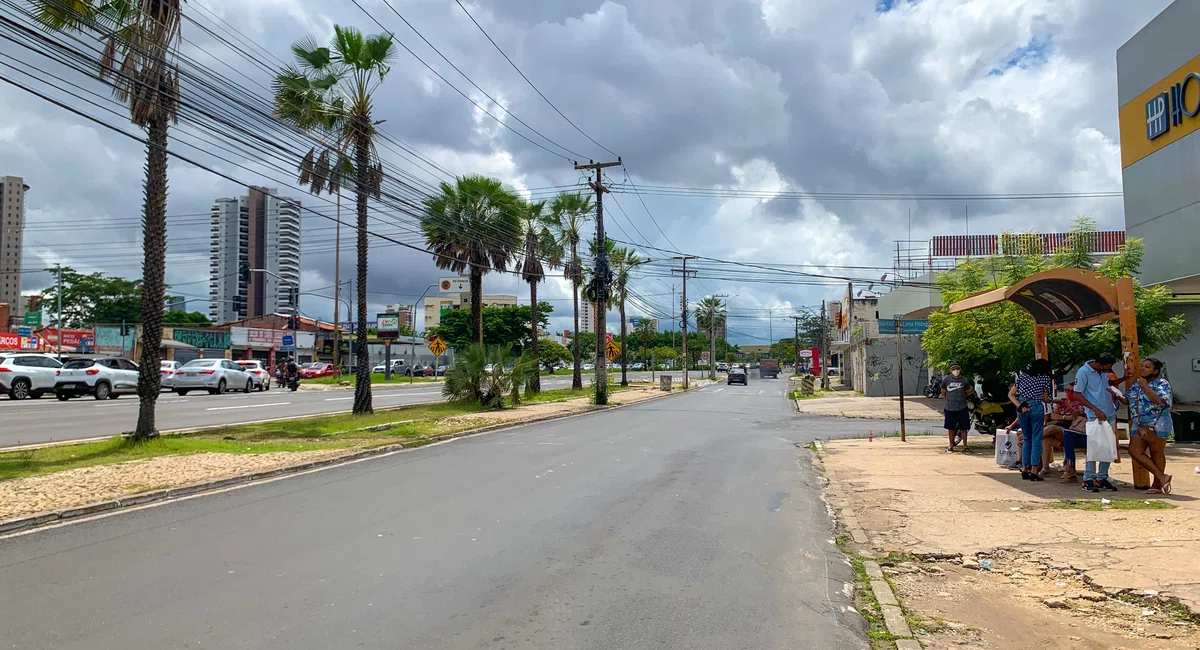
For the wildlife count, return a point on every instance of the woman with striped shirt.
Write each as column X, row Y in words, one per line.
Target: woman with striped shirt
column 1030, row 394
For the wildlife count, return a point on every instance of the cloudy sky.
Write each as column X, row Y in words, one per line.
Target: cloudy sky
column 861, row 97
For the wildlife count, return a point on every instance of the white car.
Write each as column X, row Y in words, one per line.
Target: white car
column 589, row 366
column 168, row 370
column 258, row 372
column 24, row 374
column 100, row 378
column 213, row 375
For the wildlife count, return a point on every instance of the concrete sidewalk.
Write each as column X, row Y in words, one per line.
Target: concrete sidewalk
column 914, row 498
column 852, row 405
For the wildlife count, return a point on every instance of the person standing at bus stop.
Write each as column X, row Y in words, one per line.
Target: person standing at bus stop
column 955, row 390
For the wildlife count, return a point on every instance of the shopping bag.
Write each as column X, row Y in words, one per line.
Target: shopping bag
column 1101, row 442
column 1008, row 450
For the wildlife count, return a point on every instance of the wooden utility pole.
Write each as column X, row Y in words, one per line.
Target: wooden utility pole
column 683, row 313
column 900, row 372
column 796, row 340
column 602, row 278
column 824, row 349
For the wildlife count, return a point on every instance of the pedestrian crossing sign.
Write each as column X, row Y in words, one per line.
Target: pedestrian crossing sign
column 612, row 351
column 437, row 346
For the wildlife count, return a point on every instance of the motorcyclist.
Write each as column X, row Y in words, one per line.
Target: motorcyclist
column 293, row 370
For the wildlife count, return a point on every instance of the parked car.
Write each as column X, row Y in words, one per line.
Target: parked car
column 27, row 374
column 214, row 375
column 399, row 367
column 430, row 371
column 638, row 366
column 722, row 366
column 168, row 369
column 440, row 371
column 316, row 369
column 589, row 366
column 737, row 376
column 258, row 372
column 100, row 378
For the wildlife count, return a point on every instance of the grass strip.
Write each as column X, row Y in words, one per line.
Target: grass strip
column 334, row 431
column 1092, row 505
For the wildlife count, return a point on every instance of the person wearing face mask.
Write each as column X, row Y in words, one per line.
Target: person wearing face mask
column 1092, row 384
column 955, row 390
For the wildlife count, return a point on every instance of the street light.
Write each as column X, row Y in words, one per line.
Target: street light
column 337, row 329
column 295, row 294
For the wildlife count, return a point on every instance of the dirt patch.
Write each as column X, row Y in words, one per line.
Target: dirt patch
column 851, row 405
column 85, row 485
column 913, row 498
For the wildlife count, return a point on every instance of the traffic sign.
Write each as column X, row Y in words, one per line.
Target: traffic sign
column 704, row 356
column 33, row 319
column 288, row 340
column 612, row 351
column 25, row 331
column 437, row 346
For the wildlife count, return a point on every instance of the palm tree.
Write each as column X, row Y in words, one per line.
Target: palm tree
column 625, row 262
column 569, row 213
column 474, row 226
column 330, row 89
column 709, row 316
column 141, row 39
column 539, row 244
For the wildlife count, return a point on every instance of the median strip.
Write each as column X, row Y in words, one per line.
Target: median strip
column 36, row 483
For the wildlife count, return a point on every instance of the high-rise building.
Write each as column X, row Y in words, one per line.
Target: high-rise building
column 436, row 306
column 258, row 231
column 587, row 316
column 12, row 227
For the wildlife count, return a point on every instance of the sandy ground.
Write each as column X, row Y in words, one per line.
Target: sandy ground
column 86, row 485
column 914, row 498
column 850, row 405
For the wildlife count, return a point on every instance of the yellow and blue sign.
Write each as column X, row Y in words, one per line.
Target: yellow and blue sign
column 1166, row 112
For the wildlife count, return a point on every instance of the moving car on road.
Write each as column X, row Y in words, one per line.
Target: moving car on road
column 168, row 369
column 27, row 374
column 214, row 375
column 258, row 372
column 737, row 376
column 722, row 366
column 100, row 378
column 316, row 369
column 768, row 368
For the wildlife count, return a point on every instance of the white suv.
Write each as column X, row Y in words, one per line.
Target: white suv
column 101, row 378
column 27, row 374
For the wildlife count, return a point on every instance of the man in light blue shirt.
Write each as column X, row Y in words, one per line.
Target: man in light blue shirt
column 1091, row 389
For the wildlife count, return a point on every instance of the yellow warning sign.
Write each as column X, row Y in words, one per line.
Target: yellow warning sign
column 437, row 346
column 612, row 351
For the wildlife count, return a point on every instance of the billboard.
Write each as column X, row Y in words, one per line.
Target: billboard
column 388, row 326
column 454, row 285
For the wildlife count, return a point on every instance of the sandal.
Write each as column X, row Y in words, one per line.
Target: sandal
column 1155, row 491
column 1166, row 488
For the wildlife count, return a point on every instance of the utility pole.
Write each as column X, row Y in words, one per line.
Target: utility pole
column 673, row 288
column 683, row 310
column 58, row 267
column 824, row 349
column 712, row 336
column 337, row 285
column 602, row 278
column 900, row 373
column 796, row 339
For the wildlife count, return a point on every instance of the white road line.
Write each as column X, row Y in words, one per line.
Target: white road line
column 245, row 406
column 761, row 392
column 718, row 390
column 340, row 399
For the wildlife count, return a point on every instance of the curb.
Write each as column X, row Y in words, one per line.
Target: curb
column 893, row 616
column 28, row 522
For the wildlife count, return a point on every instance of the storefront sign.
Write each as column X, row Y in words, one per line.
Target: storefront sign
column 1165, row 112
column 10, row 341
column 257, row 337
column 205, row 339
column 388, row 326
column 73, row 339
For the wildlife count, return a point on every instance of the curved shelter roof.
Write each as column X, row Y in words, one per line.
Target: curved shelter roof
column 1063, row 297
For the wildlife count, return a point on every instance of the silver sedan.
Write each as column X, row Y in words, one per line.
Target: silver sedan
column 214, row 375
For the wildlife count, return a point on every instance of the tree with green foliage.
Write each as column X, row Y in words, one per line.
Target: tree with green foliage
column 540, row 245
column 507, row 325
column 488, row 376
column 93, row 298
column 996, row 341
column 552, row 354
column 473, row 225
column 330, row 90
column 193, row 319
column 570, row 212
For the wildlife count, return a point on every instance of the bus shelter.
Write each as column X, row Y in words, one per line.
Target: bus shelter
column 1068, row 298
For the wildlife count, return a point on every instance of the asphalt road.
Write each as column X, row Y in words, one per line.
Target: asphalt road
column 692, row 522
column 28, row 421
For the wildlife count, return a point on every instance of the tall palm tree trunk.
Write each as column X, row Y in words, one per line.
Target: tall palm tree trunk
column 362, row 375
column 154, row 237
column 577, row 376
column 535, row 385
column 624, row 347
column 477, row 303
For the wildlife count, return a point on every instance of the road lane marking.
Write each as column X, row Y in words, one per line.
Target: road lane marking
column 718, row 390
column 245, row 406
column 761, row 392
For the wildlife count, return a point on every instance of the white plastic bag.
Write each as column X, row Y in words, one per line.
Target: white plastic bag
column 1101, row 442
column 1008, row 451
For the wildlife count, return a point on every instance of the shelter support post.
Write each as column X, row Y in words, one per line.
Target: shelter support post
column 1041, row 347
column 1130, row 356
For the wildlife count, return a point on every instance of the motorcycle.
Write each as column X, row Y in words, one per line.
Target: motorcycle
column 934, row 389
column 988, row 416
column 293, row 381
